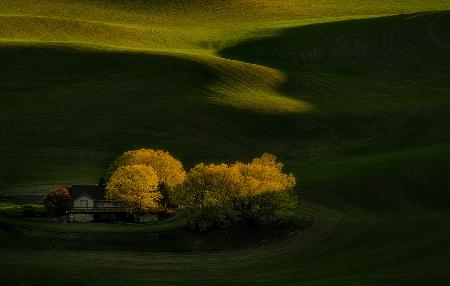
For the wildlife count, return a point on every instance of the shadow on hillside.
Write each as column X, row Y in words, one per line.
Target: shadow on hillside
column 385, row 41
column 67, row 112
column 384, row 84
column 378, row 86
column 411, row 49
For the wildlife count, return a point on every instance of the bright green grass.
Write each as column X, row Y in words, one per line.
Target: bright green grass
column 178, row 24
column 358, row 110
column 9, row 208
column 201, row 12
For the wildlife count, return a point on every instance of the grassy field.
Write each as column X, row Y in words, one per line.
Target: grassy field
column 353, row 96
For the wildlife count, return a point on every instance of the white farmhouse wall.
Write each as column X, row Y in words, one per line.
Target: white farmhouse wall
column 77, row 202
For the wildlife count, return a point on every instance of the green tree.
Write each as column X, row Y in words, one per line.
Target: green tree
column 101, row 183
column 218, row 195
column 272, row 208
column 208, row 195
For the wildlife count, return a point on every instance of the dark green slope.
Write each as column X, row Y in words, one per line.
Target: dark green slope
column 376, row 139
column 66, row 113
column 395, row 252
column 381, row 93
column 377, row 136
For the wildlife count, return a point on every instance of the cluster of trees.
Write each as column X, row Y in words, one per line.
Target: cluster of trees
column 213, row 195
column 142, row 180
column 217, row 195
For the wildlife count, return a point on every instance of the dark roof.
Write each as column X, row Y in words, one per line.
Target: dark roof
column 92, row 191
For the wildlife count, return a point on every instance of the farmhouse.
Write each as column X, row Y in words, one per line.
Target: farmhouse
column 89, row 204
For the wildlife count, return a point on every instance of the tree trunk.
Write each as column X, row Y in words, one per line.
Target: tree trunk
column 137, row 217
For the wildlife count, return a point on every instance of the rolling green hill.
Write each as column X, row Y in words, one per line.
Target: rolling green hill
column 352, row 95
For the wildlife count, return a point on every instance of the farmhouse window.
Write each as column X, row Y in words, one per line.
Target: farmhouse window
column 83, row 203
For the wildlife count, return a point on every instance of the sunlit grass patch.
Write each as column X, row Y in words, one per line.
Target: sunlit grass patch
column 258, row 100
column 252, row 87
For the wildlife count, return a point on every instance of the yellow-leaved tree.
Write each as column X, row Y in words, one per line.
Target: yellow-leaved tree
column 217, row 195
column 170, row 171
column 268, row 193
column 208, row 195
column 264, row 174
column 136, row 186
